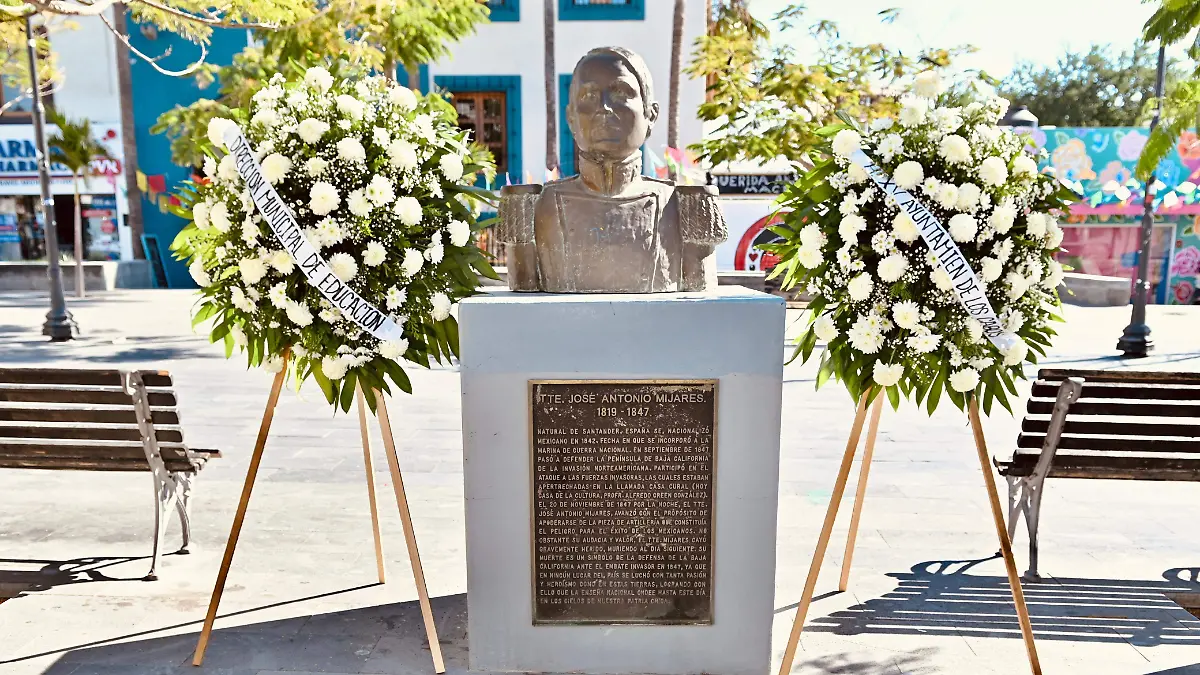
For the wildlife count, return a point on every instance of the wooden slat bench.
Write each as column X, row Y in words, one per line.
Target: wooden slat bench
column 1101, row 424
column 102, row 420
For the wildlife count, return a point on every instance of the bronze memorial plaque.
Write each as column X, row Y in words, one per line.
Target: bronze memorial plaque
column 623, row 501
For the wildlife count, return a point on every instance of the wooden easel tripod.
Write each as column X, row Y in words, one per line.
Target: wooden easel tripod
column 385, row 426
column 839, row 490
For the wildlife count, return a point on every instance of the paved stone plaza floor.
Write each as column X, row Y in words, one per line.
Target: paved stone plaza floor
column 927, row 595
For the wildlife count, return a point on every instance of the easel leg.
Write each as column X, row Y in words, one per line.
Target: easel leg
column 251, row 474
column 1010, row 565
column 839, row 488
column 366, row 443
column 410, row 536
column 861, row 492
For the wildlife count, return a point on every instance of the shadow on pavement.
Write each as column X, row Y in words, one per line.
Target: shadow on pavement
column 19, row 575
column 940, row 598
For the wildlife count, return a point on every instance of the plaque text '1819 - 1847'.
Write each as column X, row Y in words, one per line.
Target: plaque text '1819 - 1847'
column 623, row 501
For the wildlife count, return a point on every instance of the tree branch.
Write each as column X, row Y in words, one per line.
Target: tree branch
column 153, row 60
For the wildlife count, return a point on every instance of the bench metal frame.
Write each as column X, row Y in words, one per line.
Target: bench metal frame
column 172, row 489
column 1025, row 492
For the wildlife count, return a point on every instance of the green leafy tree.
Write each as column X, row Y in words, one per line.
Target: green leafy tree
column 14, row 59
column 356, row 35
column 1174, row 21
column 1093, row 88
column 769, row 104
column 74, row 146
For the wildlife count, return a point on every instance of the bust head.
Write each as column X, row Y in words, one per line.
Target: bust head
column 612, row 107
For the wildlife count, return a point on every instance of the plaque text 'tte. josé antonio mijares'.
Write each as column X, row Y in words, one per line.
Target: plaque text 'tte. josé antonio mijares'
column 623, row 501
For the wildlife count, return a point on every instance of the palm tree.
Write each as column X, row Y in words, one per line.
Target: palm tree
column 74, row 147
column 676, row 73
column 128, row 132
column 551, row 91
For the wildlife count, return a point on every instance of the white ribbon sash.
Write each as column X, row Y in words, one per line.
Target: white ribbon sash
column 291, row 237
column 966, row 284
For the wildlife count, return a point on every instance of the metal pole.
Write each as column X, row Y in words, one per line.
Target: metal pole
column 60, row 325
column 1135, row 341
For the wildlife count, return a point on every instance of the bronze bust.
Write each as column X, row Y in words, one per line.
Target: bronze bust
column 610, row 229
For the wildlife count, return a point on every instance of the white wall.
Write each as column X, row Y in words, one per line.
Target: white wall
column 515, row 48
column 87, row 58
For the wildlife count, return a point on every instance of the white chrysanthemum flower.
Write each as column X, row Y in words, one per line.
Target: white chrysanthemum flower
column 947, row 195
column 296, row 99
column 906, row 314
column 329, row 232
column 974, row 330
column 266, row 117
column 350, row 107
column 1024, row 167
column 968, row 197
column 963, row 228
column 374, row 254
column 1054, row 275
column 1035, row 225
column 351, row 150
column 849, row 205
column 278, row 295
column 947, row 120
column 200, row 211
column 964, row 380
column 1017, row 285
column 358, row 203
column 343, row 265
column 408, row 210
column 886, row 375
column 1016, row 354
column 1054, row 238
column 924, row 342
column 460, row 233
column 810, row 257
column 393, row 350
column 334, row 367
column 913, row 110
column 227, row 169
column 311, row 130
column 318, row 78
column 381, row 137
column 275, row 166
column 402, row 155
column 890, row 146
column 850, row 227
column 252, row 270
column 210, row 167
column 882, row 124
column 396, row 297
column 451, row 166
column 991, row 269
column 238, row 297
column 441, row 306
column 846, row 142
column 380, row 191
column 812, row 236
column 955, row 149
column 238, row 335
column 928, row 84
column 942, row 279
column 196, row 269
column 250, row 232
column 219, row 217
column 856, row 174
column 860, row 287
column 865, row 335
column 402, row 97
column 1002, row 218
column 423, row 125
column 435, row 253
column 905, row 229
column 217, row 127
column 909, row 175
column 315, row 166
column 413, row 261
column 323, row 198
column 993, row 172
column 273, row 364
column 893, row 267
column 825, row 328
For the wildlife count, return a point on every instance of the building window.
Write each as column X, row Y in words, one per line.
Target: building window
column 505, row 10
column 601, row 10
column 490, row 107
column 483, row 113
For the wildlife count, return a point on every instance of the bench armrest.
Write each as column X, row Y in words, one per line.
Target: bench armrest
column 1068, row 392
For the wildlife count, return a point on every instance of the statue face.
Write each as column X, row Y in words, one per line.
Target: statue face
column 607, row 115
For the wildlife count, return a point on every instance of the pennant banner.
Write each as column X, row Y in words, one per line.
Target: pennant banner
column 308, row 258
column 949, row 257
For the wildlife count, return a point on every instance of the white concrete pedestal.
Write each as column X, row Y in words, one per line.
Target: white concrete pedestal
column 732, row 334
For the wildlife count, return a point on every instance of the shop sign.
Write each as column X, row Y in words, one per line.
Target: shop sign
column 18, row 163
column 752, row 184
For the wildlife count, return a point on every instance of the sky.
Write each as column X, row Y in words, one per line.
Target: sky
column 1005, row 31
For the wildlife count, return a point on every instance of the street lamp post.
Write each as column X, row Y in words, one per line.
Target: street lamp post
column 1135, row 341
column 60, row 325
